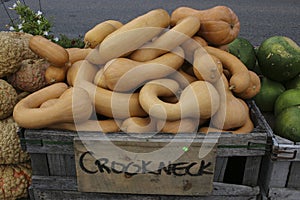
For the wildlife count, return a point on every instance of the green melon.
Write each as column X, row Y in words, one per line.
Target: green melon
column 279, row 58
column 293, row 83
column 244, row 50
column 287, row 124
column 268, row 94
column 287, row 99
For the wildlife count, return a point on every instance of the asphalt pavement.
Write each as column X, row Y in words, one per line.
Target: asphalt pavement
column 259, row 19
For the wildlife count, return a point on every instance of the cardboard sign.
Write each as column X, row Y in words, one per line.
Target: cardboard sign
column 161, row 165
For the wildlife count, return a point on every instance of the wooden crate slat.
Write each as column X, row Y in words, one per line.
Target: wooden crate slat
column 280, row 169
column 294, row 175
column 252, row 169
column 182, row 176
column 54, row 183
column 63, row 188
column 40, row 164
column 61, row 165
column 283, row 193
column 221, row 163
column 274, row 174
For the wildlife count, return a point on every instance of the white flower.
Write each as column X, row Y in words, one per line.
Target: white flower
column 13, row 7
column 21, row 31
column 39, row 22
column 11, row 28
column 20, row 26
column 45, row 33
column 39, row 13
column 56, row 39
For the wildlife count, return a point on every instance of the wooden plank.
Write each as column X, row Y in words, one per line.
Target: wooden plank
column 66, row 195
column 58, row 188
column 49, row 141
column 294, row 175
column 144, row 167
column 279, row 174
column 283, row 148
column 283, row 193
column 61, row 165
column 220, row 168
column 274, row 173
column 54, row 183
column 39, row 164
column 252, row 169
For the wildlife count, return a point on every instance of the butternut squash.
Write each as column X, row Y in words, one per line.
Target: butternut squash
column 139, row 125
column 191, row 45
column 50, row 51
column 96, row 35
column 131, row 35
column 81, row 70
column 240, row 78
column 113, row 104
column 106, row 102
column 49, row 103
column 246, row 128
column 207, row 67
column 123, row 74
column 169, row 40
column 186, row 125
column 99, row 79
column 105, row 126
column 55, row 74
column 219, row 24
column 231, row 113
column 182, row 78
column 253, row 89
column 76, row 54
column 170, row 99
column 188, row 68
column 198, row 100
column 67, row 109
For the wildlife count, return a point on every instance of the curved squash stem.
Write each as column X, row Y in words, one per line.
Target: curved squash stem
column 232, row 87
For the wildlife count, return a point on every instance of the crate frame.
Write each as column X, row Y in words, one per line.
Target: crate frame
column 53, row 160
column 280, row 174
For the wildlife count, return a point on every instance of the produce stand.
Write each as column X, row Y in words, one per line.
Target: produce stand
column 172, row 96
column 280, row 169
column 236, row 173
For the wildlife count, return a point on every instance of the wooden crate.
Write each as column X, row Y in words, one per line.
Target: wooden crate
column 280, row 173
column 236, row 174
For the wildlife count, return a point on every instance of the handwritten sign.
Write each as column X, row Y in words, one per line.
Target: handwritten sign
column 143, row 167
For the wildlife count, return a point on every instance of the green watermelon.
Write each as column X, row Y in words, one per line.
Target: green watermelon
column 279, row 58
